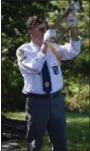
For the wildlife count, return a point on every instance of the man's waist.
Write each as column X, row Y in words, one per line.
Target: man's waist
column 50, row 95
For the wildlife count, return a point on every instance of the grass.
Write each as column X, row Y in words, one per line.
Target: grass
column 77, row 131
column 15, row 115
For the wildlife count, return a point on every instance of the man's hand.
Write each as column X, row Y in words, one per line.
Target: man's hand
column 49, row 35
column 71, row 20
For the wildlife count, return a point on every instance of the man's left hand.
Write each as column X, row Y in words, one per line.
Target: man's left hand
column 71, row 20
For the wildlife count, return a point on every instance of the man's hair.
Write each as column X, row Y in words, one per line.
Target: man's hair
column 34, row 20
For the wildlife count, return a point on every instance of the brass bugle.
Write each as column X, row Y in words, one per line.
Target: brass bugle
column 62, row 18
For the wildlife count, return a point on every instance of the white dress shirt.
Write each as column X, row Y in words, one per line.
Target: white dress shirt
column 31, row 60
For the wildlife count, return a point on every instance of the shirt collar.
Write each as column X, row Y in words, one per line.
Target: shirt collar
column 35, row 45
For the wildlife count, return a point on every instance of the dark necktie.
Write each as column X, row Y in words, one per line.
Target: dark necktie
column 46, row 79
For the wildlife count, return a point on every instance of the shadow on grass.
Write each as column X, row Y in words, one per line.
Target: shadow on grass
column 77, row 134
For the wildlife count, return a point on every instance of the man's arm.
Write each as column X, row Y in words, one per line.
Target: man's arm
column 74, row 34
column 29, row 62
column 71, row 49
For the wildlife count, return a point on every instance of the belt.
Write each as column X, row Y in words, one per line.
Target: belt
column 51, row 95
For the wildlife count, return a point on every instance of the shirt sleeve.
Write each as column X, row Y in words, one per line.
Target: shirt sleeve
column 30, row 63
column 69, row 50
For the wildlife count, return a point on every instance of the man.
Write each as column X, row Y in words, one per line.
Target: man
column 43, row 82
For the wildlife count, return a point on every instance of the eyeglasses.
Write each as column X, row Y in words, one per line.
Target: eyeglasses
column 41, row 29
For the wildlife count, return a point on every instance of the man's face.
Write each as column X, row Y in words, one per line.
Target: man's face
column 37, row 32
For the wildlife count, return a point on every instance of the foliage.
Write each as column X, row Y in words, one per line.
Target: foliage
column 75, row 72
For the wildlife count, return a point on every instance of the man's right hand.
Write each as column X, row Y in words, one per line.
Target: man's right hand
column 49, row 34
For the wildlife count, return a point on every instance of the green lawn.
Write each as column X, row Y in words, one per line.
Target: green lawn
column 77, row 131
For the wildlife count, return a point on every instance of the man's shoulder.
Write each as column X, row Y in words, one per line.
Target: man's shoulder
column 23, row 46
column 22, row 49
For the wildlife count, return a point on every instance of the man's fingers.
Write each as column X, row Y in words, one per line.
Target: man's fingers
column 49, row 35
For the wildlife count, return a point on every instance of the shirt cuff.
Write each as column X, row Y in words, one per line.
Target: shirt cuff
column 76, row 45
column 76, row 40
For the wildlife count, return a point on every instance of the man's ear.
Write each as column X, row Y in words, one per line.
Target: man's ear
column 29, row 32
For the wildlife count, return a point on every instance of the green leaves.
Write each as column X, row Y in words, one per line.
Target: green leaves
column 73, row 87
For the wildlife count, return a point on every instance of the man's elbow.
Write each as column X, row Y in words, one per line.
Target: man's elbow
column 78, row 51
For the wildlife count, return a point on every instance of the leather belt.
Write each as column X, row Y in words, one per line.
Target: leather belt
column 51, row 95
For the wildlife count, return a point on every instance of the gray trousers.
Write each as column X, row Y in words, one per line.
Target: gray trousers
column 45, row 114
